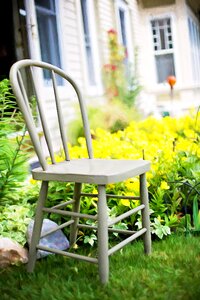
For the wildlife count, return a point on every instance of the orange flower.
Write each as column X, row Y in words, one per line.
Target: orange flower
column 171, row 80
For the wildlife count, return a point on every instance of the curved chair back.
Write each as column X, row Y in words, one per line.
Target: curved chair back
column 27, row 83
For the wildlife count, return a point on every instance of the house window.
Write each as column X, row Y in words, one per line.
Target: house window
column 124, row 33
column 48, row 34
column 88, row 43
column 163, row 48
column 123, row 26
column 194, row 33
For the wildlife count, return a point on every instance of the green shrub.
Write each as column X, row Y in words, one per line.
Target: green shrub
column 120, row 76
column 172, row 146
column 14, row 220
column 13, row 163
column 110, row 117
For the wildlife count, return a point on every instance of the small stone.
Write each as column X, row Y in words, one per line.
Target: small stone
column 11, row 253
column 56, row 240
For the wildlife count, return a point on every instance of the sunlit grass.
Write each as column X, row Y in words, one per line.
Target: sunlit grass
column 171, row 272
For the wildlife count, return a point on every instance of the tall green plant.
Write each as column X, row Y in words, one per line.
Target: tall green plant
column 13, row 163
column 120, row 77
column 196, row 214
column 10, row 117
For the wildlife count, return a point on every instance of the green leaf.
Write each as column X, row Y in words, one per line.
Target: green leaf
column 196, row 214
column 90, row 239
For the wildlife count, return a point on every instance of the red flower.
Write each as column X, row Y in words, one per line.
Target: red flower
column 112, row 92
column 110, row 67
column 113, row 67
column 112, row 31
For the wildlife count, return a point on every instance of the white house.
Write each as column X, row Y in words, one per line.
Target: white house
column 73, row 35
column 170, row 45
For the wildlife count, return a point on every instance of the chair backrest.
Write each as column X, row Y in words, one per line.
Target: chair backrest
column 27, row 86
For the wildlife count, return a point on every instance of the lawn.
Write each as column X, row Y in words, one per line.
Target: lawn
column 171, row 272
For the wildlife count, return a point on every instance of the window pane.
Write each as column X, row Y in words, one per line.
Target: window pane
column 48, row 34
column 160, row 23
column 162, row 39
column 169, row 29
column 123, row 23
column 164, row 66
column 123, row 29
column 194, row 32
column 49, row 4
column 161, row 30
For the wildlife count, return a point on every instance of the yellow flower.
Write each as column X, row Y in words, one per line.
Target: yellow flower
column 132, row 185
column 110, row 186
column 59, row 158
column 136, row 202
column 149, row 175
column 125, row 202
column 159, row 219
column 94, row 191
column 164, row 185
column 33, row 181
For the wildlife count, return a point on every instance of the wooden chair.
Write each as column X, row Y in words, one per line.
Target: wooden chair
column 88, row 170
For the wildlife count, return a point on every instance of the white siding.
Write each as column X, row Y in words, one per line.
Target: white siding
column 106, row 22
column 72, row 54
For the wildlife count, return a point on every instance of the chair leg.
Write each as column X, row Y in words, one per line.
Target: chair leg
column 145, row 213
column 103, row 261
column 37, row 227
column 76, row 208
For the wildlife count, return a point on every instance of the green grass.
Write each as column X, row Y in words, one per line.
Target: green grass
column 171, row 272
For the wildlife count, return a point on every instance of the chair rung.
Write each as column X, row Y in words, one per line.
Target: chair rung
column 69, row 213
column 87, row 226
column 123, row 231
column 57, row 228
column 112, row 196
column 63, row 204
column 69, row 254
column 126, row 214
column 109, row 229
column 126, row 241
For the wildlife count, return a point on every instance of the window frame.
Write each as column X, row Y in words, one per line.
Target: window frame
column 194, row 54
column 164, row 51
column 56, row 5
column 123, row 6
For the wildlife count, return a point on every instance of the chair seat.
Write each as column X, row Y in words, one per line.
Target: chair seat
column 97, row 171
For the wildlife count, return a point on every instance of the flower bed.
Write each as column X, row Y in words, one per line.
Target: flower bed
column 172, row 146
